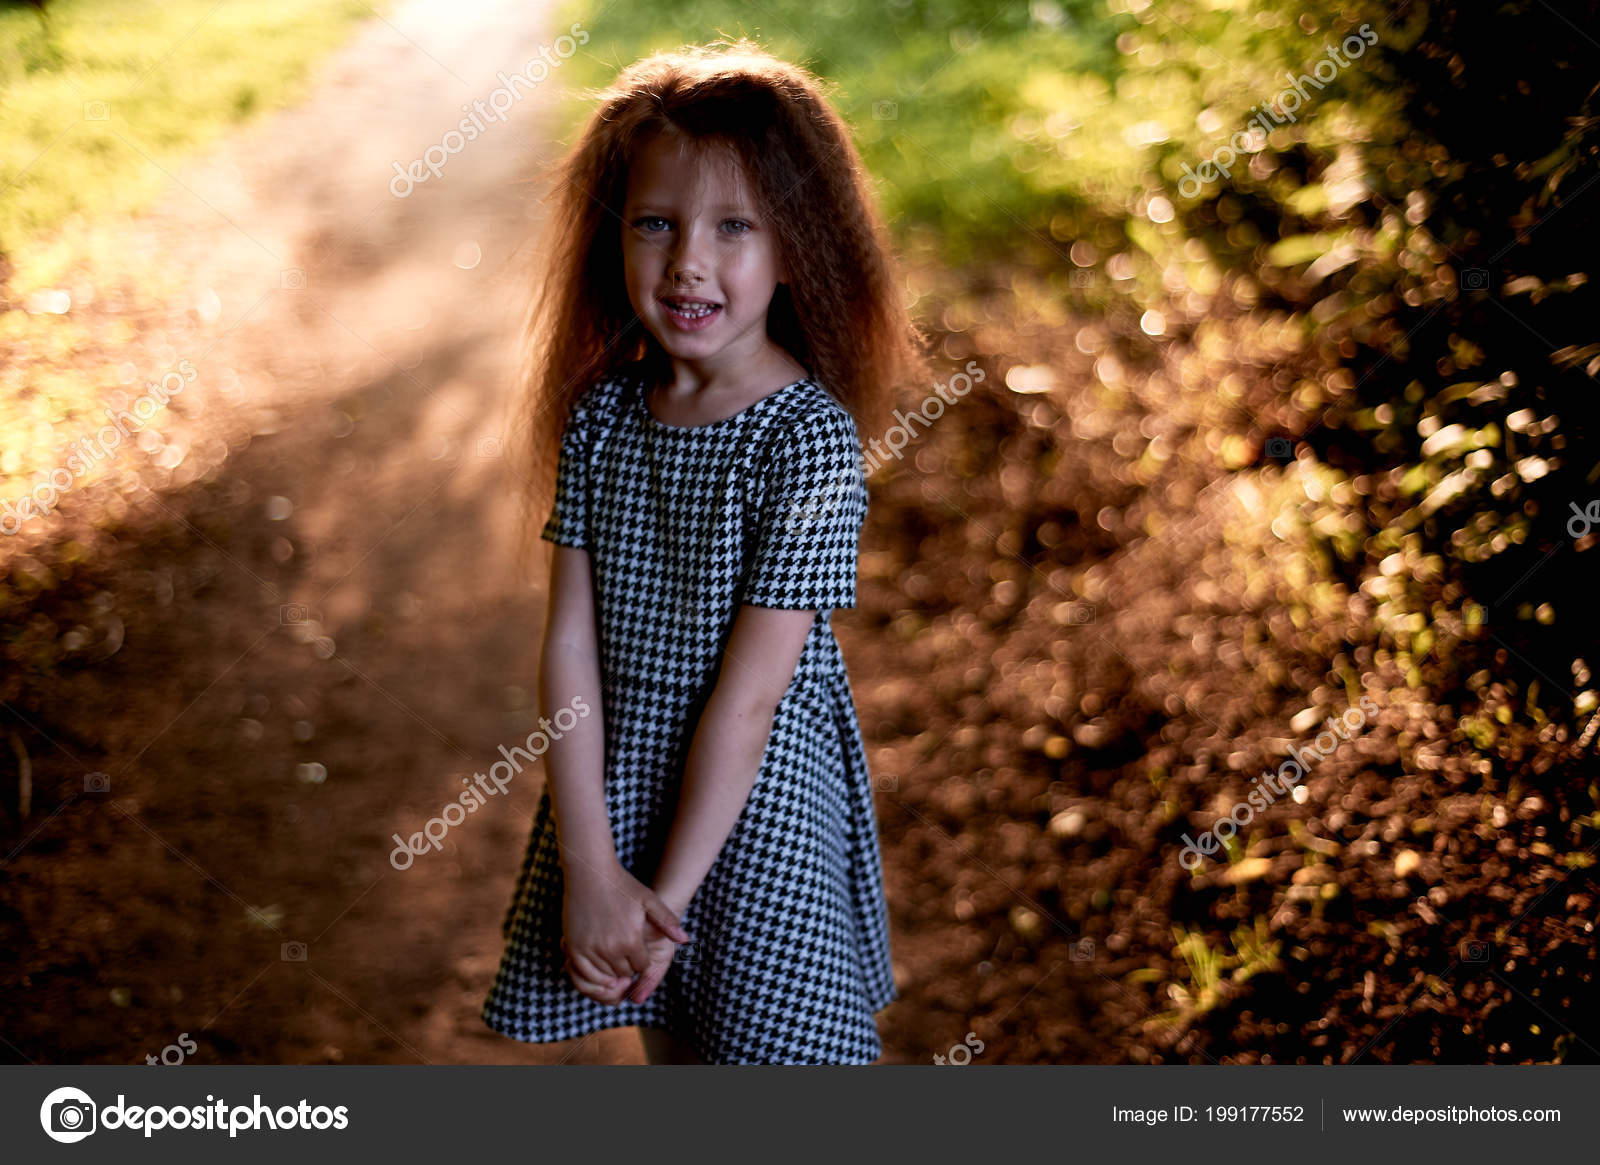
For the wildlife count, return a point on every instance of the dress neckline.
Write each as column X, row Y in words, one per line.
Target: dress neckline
column 651, row 419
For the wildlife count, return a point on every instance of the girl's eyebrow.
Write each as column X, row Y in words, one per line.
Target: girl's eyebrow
column 725, row 208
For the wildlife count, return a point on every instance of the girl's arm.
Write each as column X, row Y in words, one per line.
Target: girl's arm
column 729, row 742
column 569, row 666
column 604, row 936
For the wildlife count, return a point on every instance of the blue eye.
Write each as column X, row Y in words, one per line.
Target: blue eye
column 649, row 218
column 738, row 222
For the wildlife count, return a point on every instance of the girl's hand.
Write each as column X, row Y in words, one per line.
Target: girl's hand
column 609, row 921
column 660, row 950
column 602, row 991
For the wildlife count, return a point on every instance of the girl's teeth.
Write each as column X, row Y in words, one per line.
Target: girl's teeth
column 694, row 311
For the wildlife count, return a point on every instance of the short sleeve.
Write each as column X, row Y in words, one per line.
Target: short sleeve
column 811, row 517
column 568, row 524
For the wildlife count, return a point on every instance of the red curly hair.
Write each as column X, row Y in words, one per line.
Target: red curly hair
column 842, row 314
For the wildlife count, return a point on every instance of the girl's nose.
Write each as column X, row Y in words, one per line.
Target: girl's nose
column 686, row 254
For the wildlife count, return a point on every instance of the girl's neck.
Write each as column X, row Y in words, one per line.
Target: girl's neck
column 692, row 380
column 692, row 396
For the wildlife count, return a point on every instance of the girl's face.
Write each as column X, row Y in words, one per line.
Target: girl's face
column 699, row 261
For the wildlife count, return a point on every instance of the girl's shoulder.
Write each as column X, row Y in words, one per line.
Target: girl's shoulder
column 814, row 418
column 595, row 410
column 604, row 393
column 812, row 412
column 814, row 447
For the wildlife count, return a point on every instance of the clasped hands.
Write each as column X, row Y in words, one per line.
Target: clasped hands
column 618, row 935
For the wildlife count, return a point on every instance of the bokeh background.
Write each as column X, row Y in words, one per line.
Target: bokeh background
column 1259, row 434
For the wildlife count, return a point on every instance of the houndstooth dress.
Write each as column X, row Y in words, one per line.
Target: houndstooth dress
column 789, row 959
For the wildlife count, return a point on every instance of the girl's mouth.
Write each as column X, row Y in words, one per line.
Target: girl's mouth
column 690, row 315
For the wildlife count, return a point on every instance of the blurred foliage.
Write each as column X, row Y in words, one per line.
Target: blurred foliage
column 1411, row 235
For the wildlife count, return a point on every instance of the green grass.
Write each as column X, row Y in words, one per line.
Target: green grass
column 91, row 98
column 1254, row 951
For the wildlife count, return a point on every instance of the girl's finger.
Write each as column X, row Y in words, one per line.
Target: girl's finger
column 609, row 991
column 661, row 914
column 607, row 968
column 628, row 960
column 646, row 984
column 594, row 964
column 597, row 992
column 593, row 970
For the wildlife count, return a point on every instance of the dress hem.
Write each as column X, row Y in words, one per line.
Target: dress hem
column 616, row 1020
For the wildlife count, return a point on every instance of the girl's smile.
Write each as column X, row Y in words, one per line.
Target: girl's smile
column 690, row 314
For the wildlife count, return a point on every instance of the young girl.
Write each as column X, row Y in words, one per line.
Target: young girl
column 719, row 310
